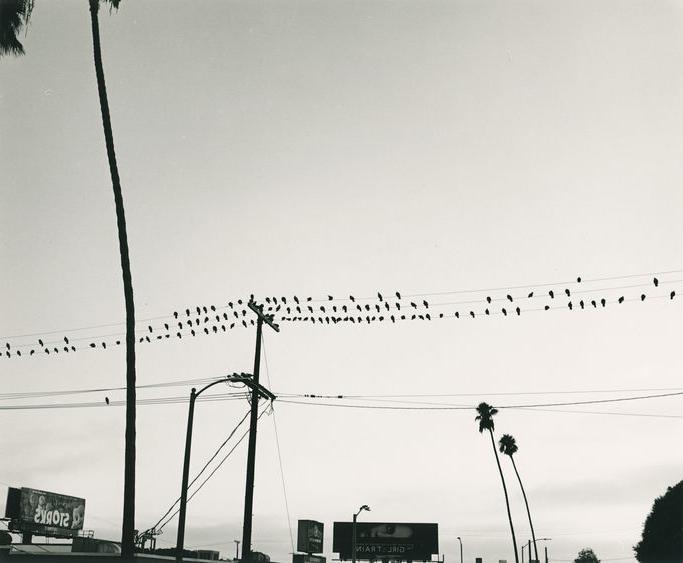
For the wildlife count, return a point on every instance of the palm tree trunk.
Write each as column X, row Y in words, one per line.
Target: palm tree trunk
column 507, row 501
column 128, row 528
column 526, row 502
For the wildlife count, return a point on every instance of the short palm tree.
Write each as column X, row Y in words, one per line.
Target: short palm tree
column 14, row 16
column 508, row 446
column 485, row 414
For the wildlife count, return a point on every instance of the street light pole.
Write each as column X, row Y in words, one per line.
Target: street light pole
column 353, row 531
column 460, row 540
column 241, row 378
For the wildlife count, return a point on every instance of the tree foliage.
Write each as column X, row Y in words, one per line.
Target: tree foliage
column 586, row 555
column 662, row 539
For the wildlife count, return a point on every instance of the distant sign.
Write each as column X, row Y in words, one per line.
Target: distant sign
column 45, row 513
column 310, row 536
column 377, row 540
column 307, row 558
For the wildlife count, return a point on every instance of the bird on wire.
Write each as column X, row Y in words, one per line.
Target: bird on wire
column 398, row 295
column 672, row 295
column 567, row 292
column 531, row 294
column 509, row 297
column 106, row 400
column 642, row 297
column 504, row 311
column 488, row 299
column 552, row 294
column 655, row 281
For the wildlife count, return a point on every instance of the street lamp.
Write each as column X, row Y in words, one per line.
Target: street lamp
column 240, row 378
column 353, row 533
column 460, row 548
column 546, row 547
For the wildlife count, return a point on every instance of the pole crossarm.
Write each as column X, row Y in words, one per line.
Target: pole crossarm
column 265, row 317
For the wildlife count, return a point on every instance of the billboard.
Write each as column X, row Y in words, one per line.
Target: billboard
column 386, row 540
column 310, row 536
column 44, row 513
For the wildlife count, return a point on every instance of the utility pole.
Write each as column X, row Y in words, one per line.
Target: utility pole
column 251, row 453
column 237, row 549
column 546, row 554
column 528, row 546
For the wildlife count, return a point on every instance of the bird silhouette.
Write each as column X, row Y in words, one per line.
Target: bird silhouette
column 296, row 300
column 239, row 301
column 7, row 344
column 424, row 302
column 578, row 280
column 150, row 328
column 505, row 313
column 74, row 348
column 41, row 343
column 441, row 315
column 199, row 310
column 19, row 351
column 655, row 281
column 189, row 321
column 518, row 311
column 367, row 307
column 530, row 295
column 322, row 308
column 330, row 298
column 106, row 400
column 472, row 314
column 581, row 303
column 621, row 299
column 92, row 344
column 594, row 303
column 509, row 297
column 393, row 319
column 398, row 295
column 488, row 299
column 487, row 312
column 457, row 315
column 603, row 302
column 552, row 294
column 66, row 340
column 398, row 306
column 205, row 310
column 309, row 299
column 379, row 296
column 672, row 295
column 193, row 333
column 567, row 292
column 546, row 308
column 570, row 305
column 31, row 352
column 104, row 345
column 642, row 297
column 413, row 305
column 166, row 326
column 352, row 298
column 386, row 305
column 214, row 328
column 178, row 334
column 187, row 312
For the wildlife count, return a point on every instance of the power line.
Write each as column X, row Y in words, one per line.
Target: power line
column 230, row 435
column 212, row 473
column 279, row 455
column 214, row 311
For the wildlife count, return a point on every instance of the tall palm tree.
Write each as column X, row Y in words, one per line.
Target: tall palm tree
column 508, row 446
column 485, row 414
column 14, row 16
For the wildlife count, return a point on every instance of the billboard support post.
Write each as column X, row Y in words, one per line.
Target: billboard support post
column 240, row 378
column 251, row 452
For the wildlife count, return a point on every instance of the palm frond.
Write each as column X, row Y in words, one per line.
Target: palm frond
column 485, row 416
column 14, row 16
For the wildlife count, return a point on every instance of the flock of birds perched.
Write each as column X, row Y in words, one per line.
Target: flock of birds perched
column 207, row 320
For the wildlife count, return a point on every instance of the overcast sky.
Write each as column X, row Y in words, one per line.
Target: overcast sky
column 335, row 148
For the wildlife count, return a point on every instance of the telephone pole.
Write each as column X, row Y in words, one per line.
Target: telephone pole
column 251, row 453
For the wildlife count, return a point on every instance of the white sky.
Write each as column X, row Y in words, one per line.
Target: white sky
column 317, row 148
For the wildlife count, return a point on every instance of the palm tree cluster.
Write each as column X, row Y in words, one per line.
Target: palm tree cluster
column 507, row 446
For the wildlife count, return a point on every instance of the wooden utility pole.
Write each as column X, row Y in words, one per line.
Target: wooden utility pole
column 251, row 454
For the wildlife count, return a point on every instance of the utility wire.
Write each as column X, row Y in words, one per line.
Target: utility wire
column 279, row 455
column 214, row 471
column 214, row 309
column 232, row 433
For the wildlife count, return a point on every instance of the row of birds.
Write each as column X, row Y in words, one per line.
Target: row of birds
column 207, row 319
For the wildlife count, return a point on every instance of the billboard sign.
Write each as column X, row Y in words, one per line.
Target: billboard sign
column 382, row 540
column 310, row 536
column 43, row 512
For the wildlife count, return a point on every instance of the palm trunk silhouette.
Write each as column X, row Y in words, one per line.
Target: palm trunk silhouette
column 128, row 527
column 526, row 502
column 507, row 500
